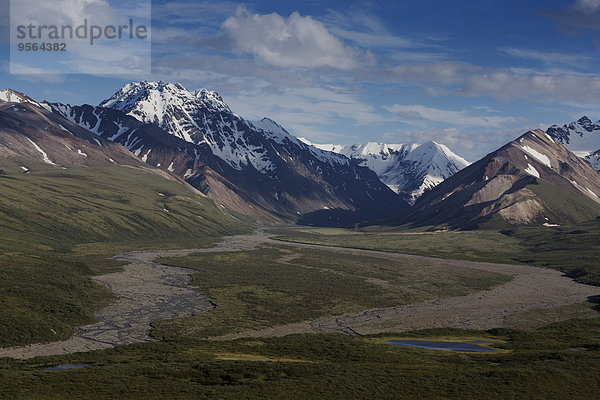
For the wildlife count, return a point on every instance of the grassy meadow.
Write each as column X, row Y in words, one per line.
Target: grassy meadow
column 261, row 288
column 556, row 362
column 571, row 249
column 59, row 227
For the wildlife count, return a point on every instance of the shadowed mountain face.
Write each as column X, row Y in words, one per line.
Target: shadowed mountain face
column 594, row 160
column 532, row 180
column 582, row 137
column 63, row 184
column 256, row 168
column 33, row 138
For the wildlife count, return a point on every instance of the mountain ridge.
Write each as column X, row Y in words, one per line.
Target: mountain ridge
column 531, row 180
column 582, row 137
column 261, row 162
column 408, row 169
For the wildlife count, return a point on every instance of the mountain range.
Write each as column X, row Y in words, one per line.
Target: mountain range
column 258, row 169
column 533, row 180
column 253, row 168
column 408, row 170
column 32, row 137
column 582, row 137
column 62, row 185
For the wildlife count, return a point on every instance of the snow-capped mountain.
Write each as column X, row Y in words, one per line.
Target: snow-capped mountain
column 196, row 117
column 11, row 96
column 195, row 135
column 594, row 160
column 531, row 180
column 202, row 116
column 408, row 170
column 582, row 137
column 33, row 138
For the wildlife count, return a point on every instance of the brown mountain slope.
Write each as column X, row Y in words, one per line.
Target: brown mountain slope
column 532, row 180
column 32, row 138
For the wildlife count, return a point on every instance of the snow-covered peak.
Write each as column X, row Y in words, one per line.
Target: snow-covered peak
column 366, row 151
column 378, row 157
column 212, row 98
column 586, row 123
column 150, row 101
column 582, row 137
column 373, row 149
column 435, row 154
column 594, row 160
column 12, row 96
column 134, row 92
column 406, row 168
column 274, row 131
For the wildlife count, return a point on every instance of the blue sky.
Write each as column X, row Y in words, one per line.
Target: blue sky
column 470, row 74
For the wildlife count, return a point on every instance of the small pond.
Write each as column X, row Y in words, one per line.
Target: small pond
column 450, row 346
column 63, row 367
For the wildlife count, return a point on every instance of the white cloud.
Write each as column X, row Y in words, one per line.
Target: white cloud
column 485, row 108
column 587, row 5
column 314, row 105
column 32, row 74
column 547, row 58
column 296, row 41
column 370, row 31
column 81, row 56
column 506, row 85
column 419, row 113
column 452, row 78
column 442, row 73
column 469, row 144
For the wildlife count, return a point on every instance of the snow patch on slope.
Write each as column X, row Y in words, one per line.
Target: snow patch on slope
column 44, row 155
column 537, row 155
column 532, row 171
column 11, row 96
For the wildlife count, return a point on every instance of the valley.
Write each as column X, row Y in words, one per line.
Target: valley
column 268, row 334
column 299, row 200
column 175, row 249
column 154, row 299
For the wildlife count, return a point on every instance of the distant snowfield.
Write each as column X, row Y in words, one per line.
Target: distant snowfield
column 581, row 137
column 412, row 168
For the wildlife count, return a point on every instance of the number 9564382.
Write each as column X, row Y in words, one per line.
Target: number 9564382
column 42, row 46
